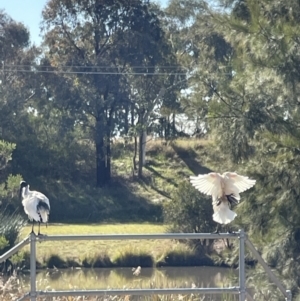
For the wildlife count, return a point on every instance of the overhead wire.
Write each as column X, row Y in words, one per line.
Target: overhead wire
column 59, row 69
column 95, row 66
column 93, row 72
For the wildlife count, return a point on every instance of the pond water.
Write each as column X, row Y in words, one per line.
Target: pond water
column 108, row 278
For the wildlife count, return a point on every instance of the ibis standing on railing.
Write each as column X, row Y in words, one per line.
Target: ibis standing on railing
column 36, row 205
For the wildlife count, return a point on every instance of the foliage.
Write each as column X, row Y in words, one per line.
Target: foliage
column 116, row 39
column 184, row 256
column 9, row 193
column 250, row 105
column 55, row 261
column 10, row 223
column 10, row 227
column 6, row 150
column 9, row 183
column 127, row 258
column 3, row 243
column 97, row 261
column 190, row 212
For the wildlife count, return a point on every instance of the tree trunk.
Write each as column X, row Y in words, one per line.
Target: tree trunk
column 135, row 139
column 140, row 170
column 102, row 153
column 142, row 152
column 174, row 125
column 168, row 127
column 108, row 160
column 126, row 123
column 100, row 163
column 135, row 153
column 144, row 141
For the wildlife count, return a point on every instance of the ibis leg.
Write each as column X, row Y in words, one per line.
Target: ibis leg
column 217, row 230
column 32, row 226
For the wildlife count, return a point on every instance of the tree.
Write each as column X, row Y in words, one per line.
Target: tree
column 189, row 212
column 16, row 58
column 202, row 52
column 98, row 42
column 254, row 114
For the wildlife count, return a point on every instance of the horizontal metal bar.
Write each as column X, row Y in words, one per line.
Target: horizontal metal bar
column 14, row 249
column 113, row 292
column 266, row 267
column 138, row 236
column 24, row 297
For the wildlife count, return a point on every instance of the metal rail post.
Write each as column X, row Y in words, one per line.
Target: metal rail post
column 272, row 276
column 242, row 284
column 32, row 267
column 289, row 295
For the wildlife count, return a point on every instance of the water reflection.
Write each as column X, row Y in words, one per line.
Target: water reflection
column 106, row 278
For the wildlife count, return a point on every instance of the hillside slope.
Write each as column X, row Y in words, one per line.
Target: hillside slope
column 129, row 198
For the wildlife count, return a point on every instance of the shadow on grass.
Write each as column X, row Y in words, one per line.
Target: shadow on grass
column 83, row 203
column 155, row 172
column 147, row 181
column 188, row 156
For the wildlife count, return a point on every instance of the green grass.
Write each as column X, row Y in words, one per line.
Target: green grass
column 110, row 253
column 89, row 251
column 127, row 198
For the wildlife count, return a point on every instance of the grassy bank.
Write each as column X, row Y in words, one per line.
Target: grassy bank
column 129, row 253
column 126, row 198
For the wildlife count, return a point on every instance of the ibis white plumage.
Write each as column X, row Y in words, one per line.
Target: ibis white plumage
column 225, row 190
column 36, row 205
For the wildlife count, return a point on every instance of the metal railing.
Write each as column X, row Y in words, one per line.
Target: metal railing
column 241, row 290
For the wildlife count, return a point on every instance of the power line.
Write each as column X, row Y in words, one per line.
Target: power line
column 97, row 66
column 92, row 72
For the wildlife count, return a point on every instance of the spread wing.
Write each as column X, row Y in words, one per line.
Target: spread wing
column 236, row 184
column 209, row 184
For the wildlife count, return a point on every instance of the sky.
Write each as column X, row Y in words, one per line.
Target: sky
column 29, row 12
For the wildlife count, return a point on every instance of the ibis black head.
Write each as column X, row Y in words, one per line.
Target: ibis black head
column 22, row 185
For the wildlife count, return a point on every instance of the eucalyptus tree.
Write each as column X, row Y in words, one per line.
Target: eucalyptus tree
column 16, row 59
column 20, row 92
column 93, row 44
column 153, row 91
column 147, row 96
column 17, row 90
column 202, row 52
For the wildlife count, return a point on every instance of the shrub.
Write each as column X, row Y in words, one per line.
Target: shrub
column 3, row 243
column 190, row 212
column 55, row 261
column 10, row 226
column 184, row 257
column 131, row 257
column 98, row 261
